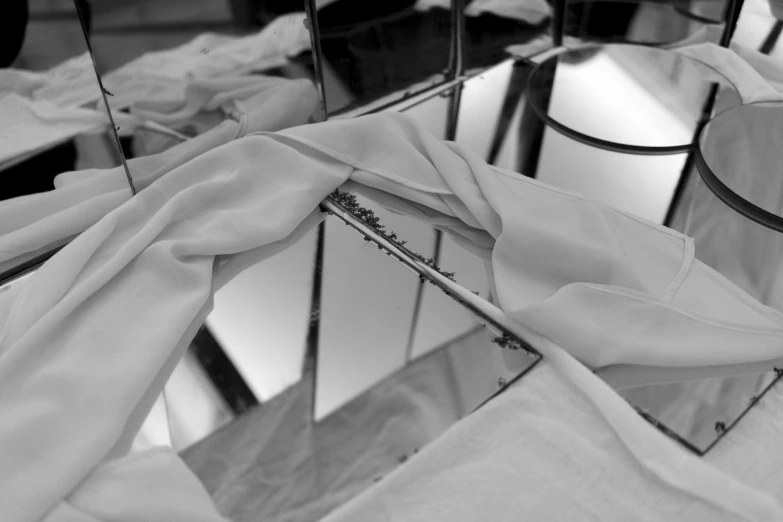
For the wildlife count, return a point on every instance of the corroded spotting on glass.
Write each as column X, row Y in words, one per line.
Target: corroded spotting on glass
column 624, row 98
column 366, row 322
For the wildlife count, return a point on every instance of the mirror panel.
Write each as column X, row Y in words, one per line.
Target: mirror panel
column 376, row 53
column 364, row 403
column 496, row 122
column 51, row 108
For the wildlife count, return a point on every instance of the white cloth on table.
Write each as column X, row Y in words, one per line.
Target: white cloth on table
column 78, row 374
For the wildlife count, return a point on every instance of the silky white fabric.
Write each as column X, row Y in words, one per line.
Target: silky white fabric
column 32, row 126
column 30, row 225
column 78, row 374
column 755, row 76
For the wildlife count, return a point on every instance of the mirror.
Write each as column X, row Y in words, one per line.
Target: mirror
column 495, row 120
column 50, row 108
column 651, row 23
column 278, row 343
column 376, row 53
column 627, row 98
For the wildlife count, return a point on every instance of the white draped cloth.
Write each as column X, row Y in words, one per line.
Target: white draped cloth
column 90, row 339
column 30, row 225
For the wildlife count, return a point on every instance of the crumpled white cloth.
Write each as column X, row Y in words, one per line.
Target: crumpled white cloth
column 78, row 374
column 31, row 225
column 209, row 55
column 237, row 95
column 29, row 126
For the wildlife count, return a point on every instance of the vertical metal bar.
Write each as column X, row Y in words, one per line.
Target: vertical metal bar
column 558, row 21
column 457, row 47
column 311, row 11
column 312, row 343
column 222, row 372
column 772, row 38
column 104, row 92
column 516, row 87
column 733, row 10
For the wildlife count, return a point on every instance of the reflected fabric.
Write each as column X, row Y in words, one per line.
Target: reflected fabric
column 92, row 336
column 31, row 225
column 276, row 464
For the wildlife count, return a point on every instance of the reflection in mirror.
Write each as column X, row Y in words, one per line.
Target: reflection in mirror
column 50, row 107
column 494, row 121
column 632, row 98
column 383, row 51
column 385, row 377
column 639, row 21
column 181, row 68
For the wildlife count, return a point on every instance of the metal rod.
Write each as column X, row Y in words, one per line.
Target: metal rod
column 488, row 313
column 311, row 11
column 114, row 127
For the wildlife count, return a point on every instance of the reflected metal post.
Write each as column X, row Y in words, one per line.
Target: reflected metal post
column 311, row 11
column 104, row 92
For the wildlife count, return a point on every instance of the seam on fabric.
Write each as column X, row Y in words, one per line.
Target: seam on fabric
column 689, row 254
column 770, row 331
column 358, row 164
column 555, row 190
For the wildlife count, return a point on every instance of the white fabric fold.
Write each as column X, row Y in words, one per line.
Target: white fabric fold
column 170, row 492
column 92, row 336
column 32, row 224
